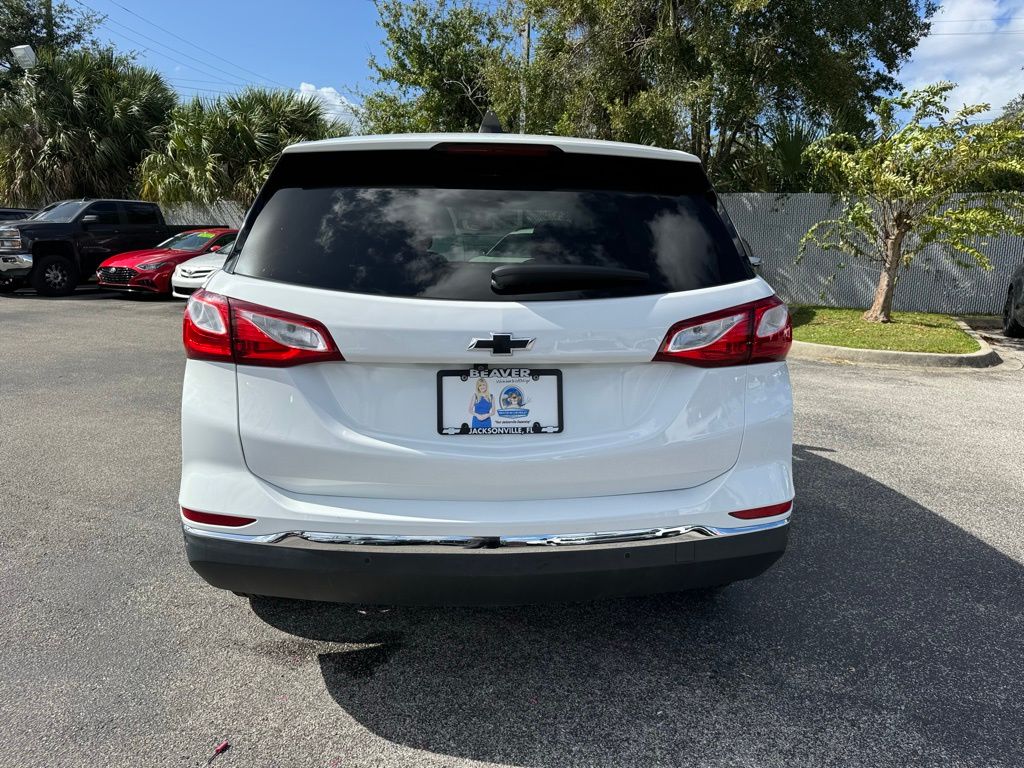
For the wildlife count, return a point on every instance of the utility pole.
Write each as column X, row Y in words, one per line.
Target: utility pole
column 522, row 75
column 48, row 5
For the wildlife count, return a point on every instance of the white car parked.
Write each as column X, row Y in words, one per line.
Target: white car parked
column 378, row 410
column 189, row 276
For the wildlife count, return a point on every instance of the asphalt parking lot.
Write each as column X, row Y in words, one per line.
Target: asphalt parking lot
column 889, row 635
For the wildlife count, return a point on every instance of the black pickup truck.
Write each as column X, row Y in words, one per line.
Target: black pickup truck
column 61, row 245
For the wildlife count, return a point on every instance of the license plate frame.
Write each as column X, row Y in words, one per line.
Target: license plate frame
column 536, row 386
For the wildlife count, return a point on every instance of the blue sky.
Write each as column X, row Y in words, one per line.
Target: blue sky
column 321, row 47
column 231, row 43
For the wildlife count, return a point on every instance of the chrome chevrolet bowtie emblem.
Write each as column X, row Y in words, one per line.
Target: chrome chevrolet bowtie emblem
column 501, row 344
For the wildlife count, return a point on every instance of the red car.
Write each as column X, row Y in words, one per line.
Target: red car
column 149, row 271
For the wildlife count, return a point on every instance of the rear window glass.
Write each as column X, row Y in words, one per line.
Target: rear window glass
column 142, row 214
column 436, row 226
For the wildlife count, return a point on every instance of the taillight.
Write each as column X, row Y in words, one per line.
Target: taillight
column 209, row 518
column 773, row 331
column 769, row 511
column 230, row 330
column 206, row 329
column 264, row 336
column 758, row 332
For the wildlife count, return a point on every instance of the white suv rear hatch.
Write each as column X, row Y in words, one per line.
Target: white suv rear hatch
column 420, row 263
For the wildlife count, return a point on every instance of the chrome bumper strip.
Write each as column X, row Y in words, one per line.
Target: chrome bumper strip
column 689, row 532
column 15, row 262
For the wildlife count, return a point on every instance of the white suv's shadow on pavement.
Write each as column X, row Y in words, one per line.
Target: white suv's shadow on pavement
column 885, row 636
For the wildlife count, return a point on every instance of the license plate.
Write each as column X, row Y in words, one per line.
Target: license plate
column 499, row 401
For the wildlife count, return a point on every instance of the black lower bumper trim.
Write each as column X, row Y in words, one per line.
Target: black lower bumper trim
column 127, row 288
column 441, row 575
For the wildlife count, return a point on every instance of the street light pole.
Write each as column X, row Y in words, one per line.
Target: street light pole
column 524, row 65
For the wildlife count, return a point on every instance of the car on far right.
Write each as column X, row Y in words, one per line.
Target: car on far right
column 189, row 276
column 1013, row 310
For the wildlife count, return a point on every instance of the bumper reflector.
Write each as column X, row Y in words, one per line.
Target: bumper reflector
column 232, row 521
column 769, row 511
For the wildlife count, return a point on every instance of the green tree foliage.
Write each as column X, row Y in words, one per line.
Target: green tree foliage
column 922, row 181
column 1013, row 113
column 224, row 149
column 703, row 76
column 78, row 125
column 712, row 70
column 47, row 26
column 1014, row 109
column 435, row 73
column 773, row 159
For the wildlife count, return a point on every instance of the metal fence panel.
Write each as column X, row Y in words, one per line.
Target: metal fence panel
column 225, row 212
column 773, row 225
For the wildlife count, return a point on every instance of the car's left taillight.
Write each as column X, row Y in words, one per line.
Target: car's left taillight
column 216, row 327
column 758, row 332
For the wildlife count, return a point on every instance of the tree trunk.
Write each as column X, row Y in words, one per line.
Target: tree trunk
column 881, row 306
column 48, row 21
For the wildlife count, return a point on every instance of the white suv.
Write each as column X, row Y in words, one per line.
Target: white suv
column 484, row 369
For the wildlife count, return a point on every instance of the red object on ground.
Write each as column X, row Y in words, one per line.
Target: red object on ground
column 220, row 749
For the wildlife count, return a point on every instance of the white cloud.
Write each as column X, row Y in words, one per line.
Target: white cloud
column 981, row 58
column 336, row 105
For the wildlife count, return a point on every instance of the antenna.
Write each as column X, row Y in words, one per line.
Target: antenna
column 490, row 124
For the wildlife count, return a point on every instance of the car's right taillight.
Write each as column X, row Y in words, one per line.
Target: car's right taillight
column 219, row 328
column 758, row 332
column 206, row 329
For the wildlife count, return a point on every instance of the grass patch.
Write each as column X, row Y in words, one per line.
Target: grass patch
column 908, row 331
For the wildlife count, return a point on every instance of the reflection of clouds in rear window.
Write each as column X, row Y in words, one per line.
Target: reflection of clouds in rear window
column 407, row 215
column 336, row 211
column 672, row 230
column 375, row 237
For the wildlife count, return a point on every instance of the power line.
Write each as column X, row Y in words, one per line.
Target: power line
column 189, row 42
column 197, row 80
column 200, row 89
column 173, row 58
column 200, row 94
column 225, row 76
column 222, row 77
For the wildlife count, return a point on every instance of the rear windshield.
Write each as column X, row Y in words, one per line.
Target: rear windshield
column 436, row 225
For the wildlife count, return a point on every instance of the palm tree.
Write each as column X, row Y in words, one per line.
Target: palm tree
column 224, row 149
column 77, row 125
column 771, row 159
column 783, row 155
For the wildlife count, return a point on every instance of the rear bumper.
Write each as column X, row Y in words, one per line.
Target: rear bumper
column 451, row 573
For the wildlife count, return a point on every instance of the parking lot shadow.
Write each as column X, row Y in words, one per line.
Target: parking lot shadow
column 82, row 293
column 885, row 636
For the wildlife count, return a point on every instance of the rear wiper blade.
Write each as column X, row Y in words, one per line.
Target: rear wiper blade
column 541, row 278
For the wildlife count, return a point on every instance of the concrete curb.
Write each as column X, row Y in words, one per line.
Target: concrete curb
column 985, row 357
